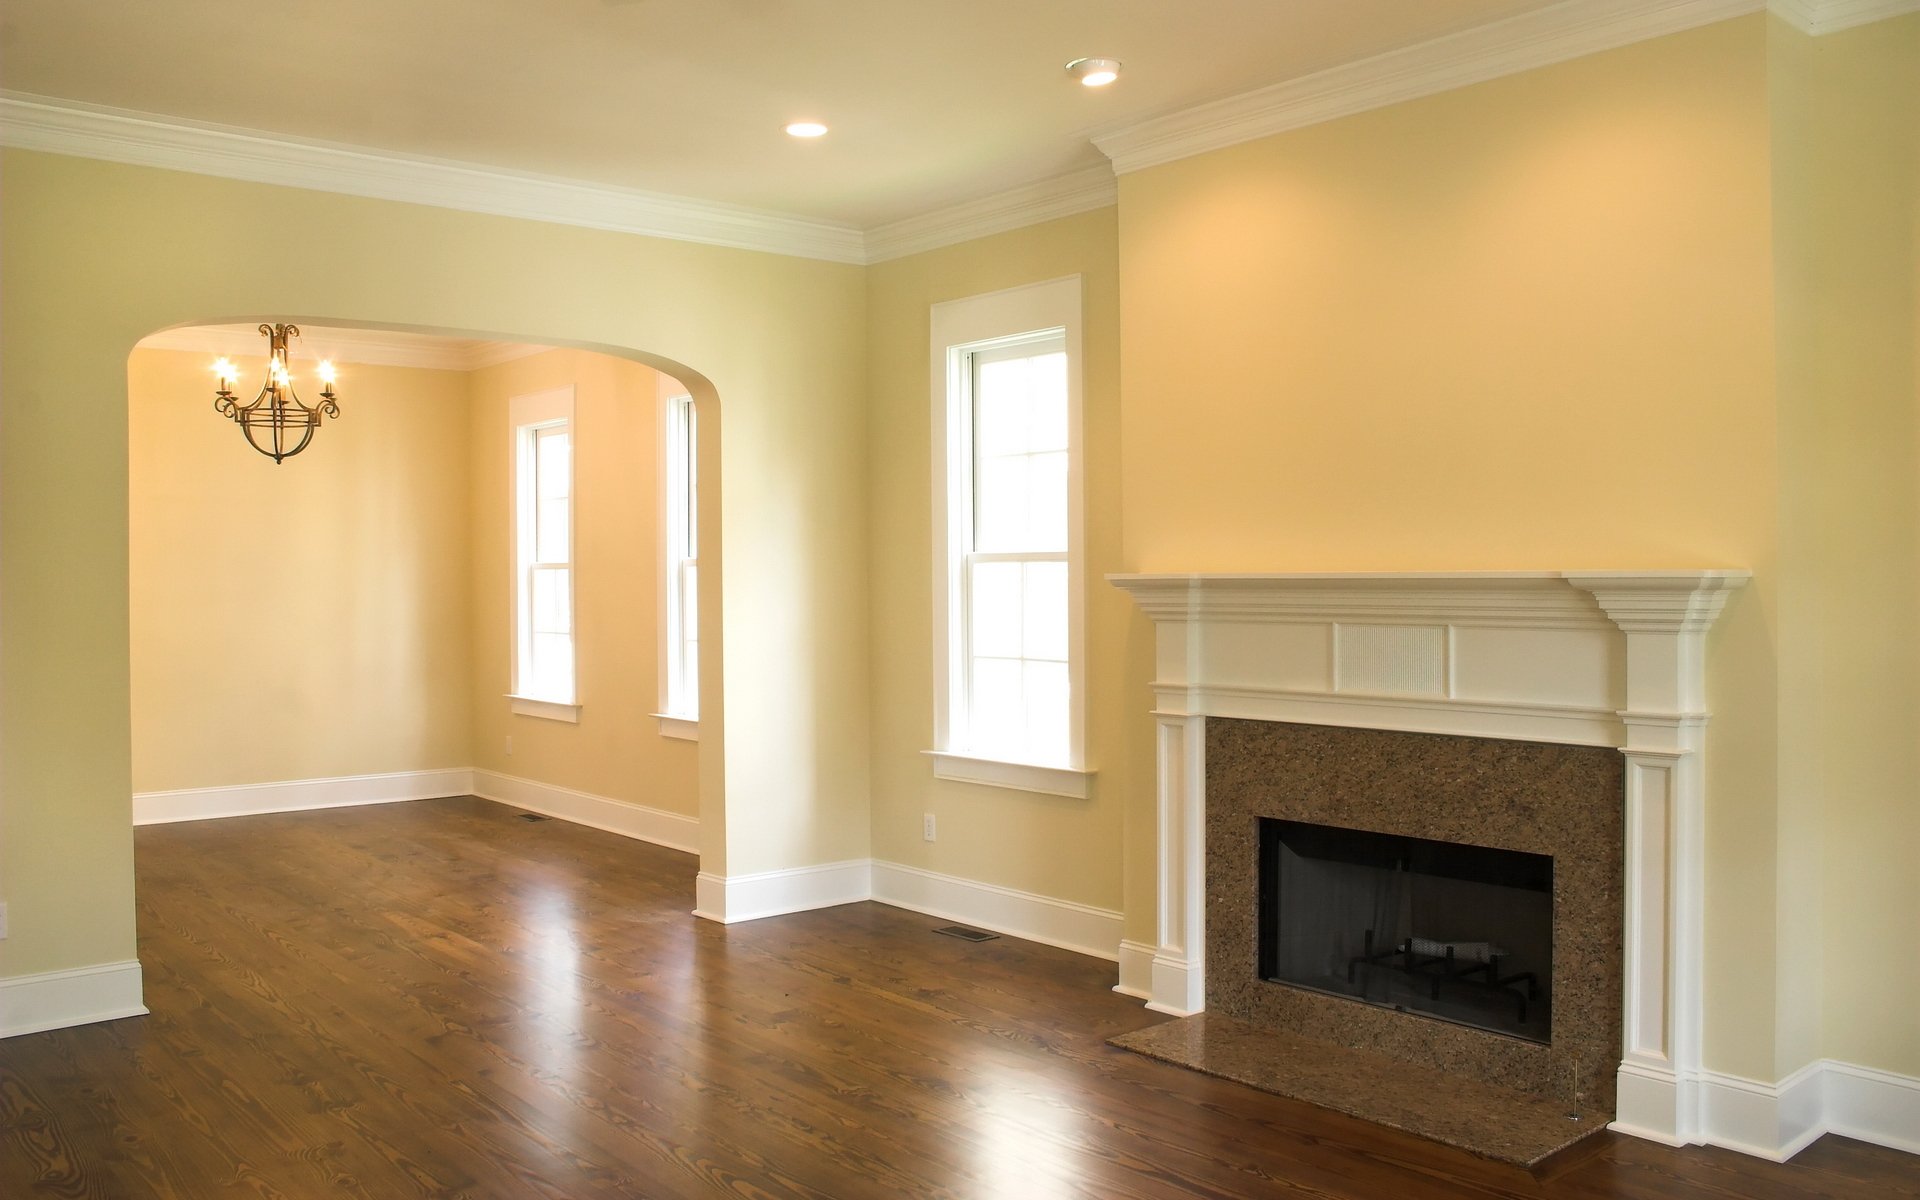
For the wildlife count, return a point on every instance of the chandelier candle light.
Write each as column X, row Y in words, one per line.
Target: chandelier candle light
column 276, row 416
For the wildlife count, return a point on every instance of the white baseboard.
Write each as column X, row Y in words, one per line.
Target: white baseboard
column 1136, row 970
column 297, row 795
column 1873, row 1106
column 1034, row 918
column 1179, row 986
column 732, row 898
column 1778, row 1120
column 674, row 830
column 61, row 999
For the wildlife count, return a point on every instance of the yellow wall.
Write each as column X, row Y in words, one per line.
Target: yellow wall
column 1526, row 324
column 616, row 749
column 304, row 620
column 98, row 255
column 1847, row 190
column 1009, row 838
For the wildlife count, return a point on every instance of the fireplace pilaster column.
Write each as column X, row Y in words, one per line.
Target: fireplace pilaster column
column 1665, row 619
column 1179, row 958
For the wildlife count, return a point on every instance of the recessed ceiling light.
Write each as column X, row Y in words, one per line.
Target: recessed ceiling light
column 806, row 129
column 1095, row 72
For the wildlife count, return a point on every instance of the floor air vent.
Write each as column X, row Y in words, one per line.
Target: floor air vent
column 534, row 817
column 965, row 934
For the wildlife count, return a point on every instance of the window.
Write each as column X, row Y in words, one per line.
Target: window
column 680, row 572
column 543, row 658
column 1009, row 698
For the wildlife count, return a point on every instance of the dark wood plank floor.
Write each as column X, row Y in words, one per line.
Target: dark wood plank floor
column 440, row 999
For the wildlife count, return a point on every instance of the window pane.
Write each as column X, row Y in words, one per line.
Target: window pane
column 552, row 602
column 552, row 667
column 1000, row 504
column 995, row 718
column 1044, row 611
column 1000, row 408
column 1045, row 527
column 1046, row 698
column 994, row 607
column 689, row 601
column 551, row 519
column 553, row 468
column 1047, row 402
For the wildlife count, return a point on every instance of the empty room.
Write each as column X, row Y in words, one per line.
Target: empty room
column 653, row 598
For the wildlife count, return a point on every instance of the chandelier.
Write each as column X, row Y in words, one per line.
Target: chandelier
column 277, row 423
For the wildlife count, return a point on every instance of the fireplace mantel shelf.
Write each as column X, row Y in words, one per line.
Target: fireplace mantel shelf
column 1602, row 657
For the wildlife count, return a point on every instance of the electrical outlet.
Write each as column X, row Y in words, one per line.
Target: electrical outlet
column 509, row 745
column 926, row 826
column 3, row 920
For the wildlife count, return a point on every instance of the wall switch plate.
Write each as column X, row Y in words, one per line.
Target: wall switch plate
column 926, row 826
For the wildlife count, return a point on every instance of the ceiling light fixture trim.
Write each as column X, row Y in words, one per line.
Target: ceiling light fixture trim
column 1094, row 72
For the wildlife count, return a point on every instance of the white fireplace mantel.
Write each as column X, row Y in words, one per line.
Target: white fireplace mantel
column 1602, row 658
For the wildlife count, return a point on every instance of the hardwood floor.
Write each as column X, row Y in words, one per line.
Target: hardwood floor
column 441, row 999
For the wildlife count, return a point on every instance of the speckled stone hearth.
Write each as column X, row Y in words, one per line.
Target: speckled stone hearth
column 1498, row 1123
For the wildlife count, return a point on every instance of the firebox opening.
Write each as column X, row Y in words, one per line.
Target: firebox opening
column 1443, row 929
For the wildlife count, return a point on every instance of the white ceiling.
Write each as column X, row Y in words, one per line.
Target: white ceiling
column 932, row 102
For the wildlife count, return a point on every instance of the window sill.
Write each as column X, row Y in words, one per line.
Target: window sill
column 687, row 729
column 549, row 710
column 1023, row 777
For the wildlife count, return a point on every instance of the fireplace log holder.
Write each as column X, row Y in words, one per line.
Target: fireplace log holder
column 1436, row 969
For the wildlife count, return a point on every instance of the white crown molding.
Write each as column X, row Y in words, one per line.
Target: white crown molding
column 362, row 347
column 1819, row 17
column 29, row 122
column 1047, row 200
column 1507, row 47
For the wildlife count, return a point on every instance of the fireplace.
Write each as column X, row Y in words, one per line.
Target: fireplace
column 1444, row 930
column 1533, row 697
column 1428, row 839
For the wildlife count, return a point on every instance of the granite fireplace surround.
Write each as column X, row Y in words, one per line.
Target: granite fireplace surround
column 1551, row 712
column 1561, row 801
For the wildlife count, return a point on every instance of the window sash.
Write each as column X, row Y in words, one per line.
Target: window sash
column 1045, row 737
column 544, row 659
column 681, row 641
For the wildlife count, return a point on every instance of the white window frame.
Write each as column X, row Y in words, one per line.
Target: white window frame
column 960, row 327
column 526, row 415
column 679, row 714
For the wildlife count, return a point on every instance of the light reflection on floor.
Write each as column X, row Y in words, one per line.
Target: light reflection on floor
column 1027, row 1141
column 553, row 988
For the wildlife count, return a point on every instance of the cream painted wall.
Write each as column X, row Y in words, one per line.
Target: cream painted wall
column 1050, row 845
column 98, row 255
column 305, row 620
column 1847, row 188
column 616, row 749
column 1526, row 324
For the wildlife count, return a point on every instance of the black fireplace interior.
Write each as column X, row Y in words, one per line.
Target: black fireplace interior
column 1457, row 932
